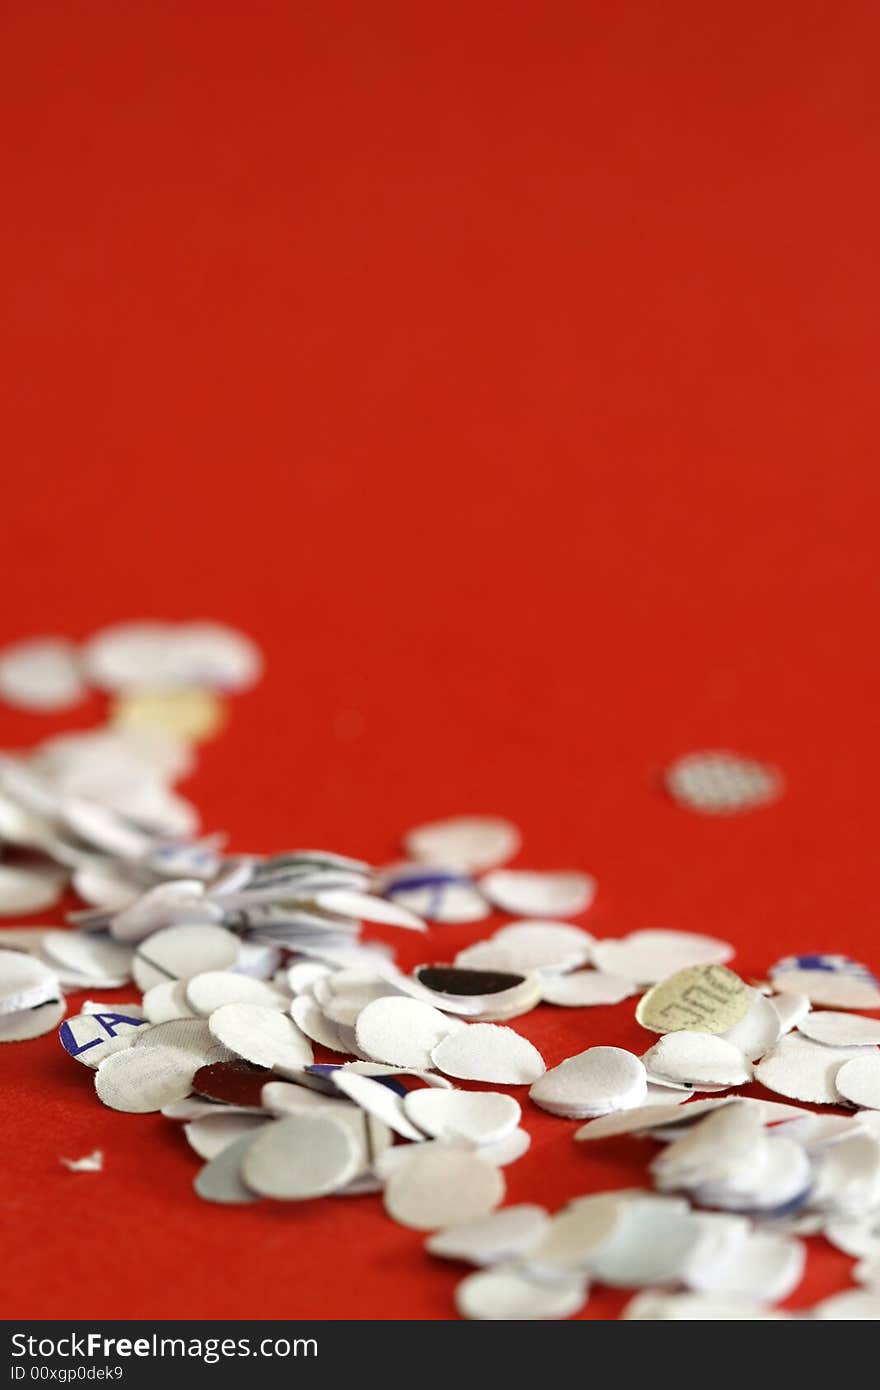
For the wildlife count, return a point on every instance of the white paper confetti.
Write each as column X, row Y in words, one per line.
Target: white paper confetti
column 261, row 1035
column 502, row 1235
column 525, row 893
column 23, row 891
column 377, row 1100
column 305, row 1155
column 698, row 1059
column 25, row 982
column 140, row 1080
column 470, row 842
column 574, row 1235
column 507, row 1293
column 592, row 1083
column 41, row 674
column 442, row 1185
column 586, row 989
column 858, row 1081
column 35, row 1022
column 99, row 959
column 167, row 1001
column 803, row 1069
column 402, row 1031
column 214, row 988
column 179, row 952
column 210, row 1134
column 650, row 1244
column 840, row 1029
column 835, row 981
column 479, row 1117
column 488, row 1052
column 220, row 1180
column 651, row 955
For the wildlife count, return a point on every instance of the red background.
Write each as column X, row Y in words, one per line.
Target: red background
column 508, row 372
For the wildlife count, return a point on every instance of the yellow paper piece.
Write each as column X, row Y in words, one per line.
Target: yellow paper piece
column 194, row 715
column 703, row 998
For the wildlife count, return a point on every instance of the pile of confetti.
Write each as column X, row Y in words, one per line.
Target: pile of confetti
column 244, row 963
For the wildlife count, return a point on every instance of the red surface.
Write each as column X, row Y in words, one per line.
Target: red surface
column 508, row 372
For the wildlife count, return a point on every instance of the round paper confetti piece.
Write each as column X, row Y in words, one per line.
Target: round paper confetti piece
column 182, row 901
column 441, row 1185
column 489, row 1052
column 305, row 1155
column 760, row 1265
column 140, row 1080
column 209, row 1135
column 695, row 1059
column 167, row 1001
column 220, row 1179
column 544, row 945
column 651, row 955
column 650, row 1243
column 652, row 1306
column 644, row 1118
column 758, row 1030
column 502, row 1235
column 215, row 655
column 23, row 891
column 585, row 989
column 707, row 998
column 402, row 1032
column 438, row 894
column 193, row 715
column 506, row 1293
column 25, row 982
column 503, row 1152
column 90, row 1037
column 478, row 1117
column 214, row 988
column 41, row 674
column 178, row 953
column 372, row 1136
column 507, row 995
column 858, row 1081
column 841, row 1029
column 789, row 1009
column 131, row 656
column 103, row 887
column 345, row 902
column 380, row 1102
column 166, row 656
column 525, row 893
column 834, row 981
column 309, row 1018
column 188, row 1035
column 31, row 1023
column 99, row 957
column 575, row 1234
column 302, row 975
column 262, row 1036
column 592, row 1083
column 718, row 783
column 468, row 842
column 803, row 1069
